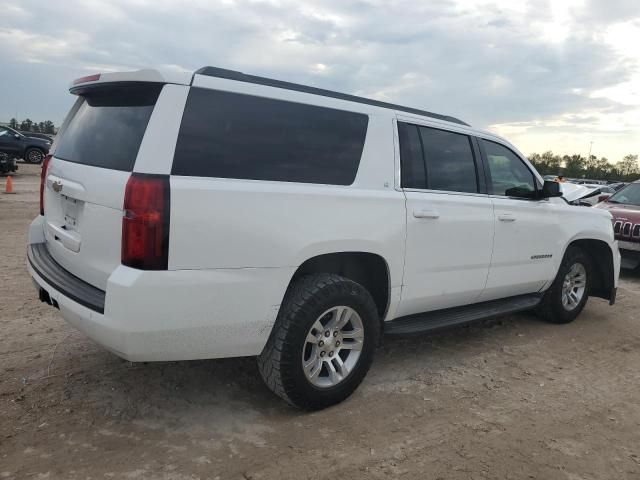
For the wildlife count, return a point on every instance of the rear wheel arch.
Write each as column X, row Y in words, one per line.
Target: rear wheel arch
column 368, row 269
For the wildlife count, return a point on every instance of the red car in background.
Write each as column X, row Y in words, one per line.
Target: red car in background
column 624, row 206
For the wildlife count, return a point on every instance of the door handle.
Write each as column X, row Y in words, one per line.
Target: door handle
column 506, row 217
column 426, row 213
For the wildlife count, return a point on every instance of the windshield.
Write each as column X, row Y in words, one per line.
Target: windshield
column 629, row 195
column 7, row 132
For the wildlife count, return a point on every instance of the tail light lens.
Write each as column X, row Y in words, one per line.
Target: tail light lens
column 145, row 223
column 43, row 180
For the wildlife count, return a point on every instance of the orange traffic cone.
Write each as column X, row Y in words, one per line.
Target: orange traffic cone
column 9, row 185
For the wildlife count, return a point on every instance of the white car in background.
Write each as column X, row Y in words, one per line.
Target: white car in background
column 585, row 194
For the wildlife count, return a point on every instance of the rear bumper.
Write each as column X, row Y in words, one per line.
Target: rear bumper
column 168, row 315
column 42, row 263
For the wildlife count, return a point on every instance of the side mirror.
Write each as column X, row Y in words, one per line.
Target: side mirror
column 550, row 189
column 16, row 135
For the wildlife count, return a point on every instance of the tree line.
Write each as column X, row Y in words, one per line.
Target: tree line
column 577, row 166
column 29, row 125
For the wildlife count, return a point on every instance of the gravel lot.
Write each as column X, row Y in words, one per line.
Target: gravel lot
column 510, row 398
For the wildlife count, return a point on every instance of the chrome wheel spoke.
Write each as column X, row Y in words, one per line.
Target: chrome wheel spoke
column 340, row 318
column 356, row 333
column 314, row 369
column 341, row 367
column 334, row 375
column 574, row 286
column 331, row 353
column 317, row 327
column 355, row 345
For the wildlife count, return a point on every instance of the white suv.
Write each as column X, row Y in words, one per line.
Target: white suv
column 219, row 214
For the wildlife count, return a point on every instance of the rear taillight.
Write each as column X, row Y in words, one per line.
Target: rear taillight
column 43, row 180
column 145, row 222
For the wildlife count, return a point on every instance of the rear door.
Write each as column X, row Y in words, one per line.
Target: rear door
column 449, row 219
column 526, row 229
column 87, row 176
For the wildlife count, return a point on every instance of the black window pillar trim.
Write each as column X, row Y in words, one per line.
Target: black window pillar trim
column 427, row 181
column 485, row 165
column 478, row 158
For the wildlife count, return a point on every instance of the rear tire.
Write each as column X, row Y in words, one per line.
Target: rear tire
column 34, row 156
column 311, row 306
column 568, row 294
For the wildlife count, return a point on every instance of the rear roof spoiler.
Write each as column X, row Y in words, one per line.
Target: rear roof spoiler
column 153, row 76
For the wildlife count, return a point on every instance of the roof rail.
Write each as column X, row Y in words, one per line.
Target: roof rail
column 243, row 77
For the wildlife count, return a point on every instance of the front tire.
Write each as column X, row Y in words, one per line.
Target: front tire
column 322, row 343
column 34, row 156
column 568, row 294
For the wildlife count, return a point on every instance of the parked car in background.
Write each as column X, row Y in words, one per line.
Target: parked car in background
column 43, row 136
column 236, row 215
column 624, row 207
column 7, row 164
column 17, row 145
column 587, row 181
column 598, row 194
column 617, row 185
column 584, row 195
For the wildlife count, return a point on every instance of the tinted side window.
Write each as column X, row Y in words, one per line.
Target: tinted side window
column 436, row 159
column 509, row 175
column 107, row 129
column 412, row 167
column 231, row 135
column 450, row 163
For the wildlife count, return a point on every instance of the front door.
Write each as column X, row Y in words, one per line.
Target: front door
column 450, row 220
column 526, row 233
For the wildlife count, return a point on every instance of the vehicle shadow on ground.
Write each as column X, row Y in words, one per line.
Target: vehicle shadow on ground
column 630, row 275
column 174, row 395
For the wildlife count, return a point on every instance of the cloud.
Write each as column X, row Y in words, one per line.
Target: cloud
column 489, row 62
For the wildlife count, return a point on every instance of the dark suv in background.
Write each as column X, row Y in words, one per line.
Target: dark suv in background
column 18, row 145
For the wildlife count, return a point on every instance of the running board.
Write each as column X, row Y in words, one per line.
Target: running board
column 425, row 322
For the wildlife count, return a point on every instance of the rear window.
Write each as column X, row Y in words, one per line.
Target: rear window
column 231, row 135
column 107, row 129
column 436, row 159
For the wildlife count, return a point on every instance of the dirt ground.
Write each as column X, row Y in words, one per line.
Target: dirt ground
column 511, row 398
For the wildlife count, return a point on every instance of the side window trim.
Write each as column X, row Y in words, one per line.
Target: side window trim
column 487, row 170
column 478, row 161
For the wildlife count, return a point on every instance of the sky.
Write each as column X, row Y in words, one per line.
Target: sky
column 547, row 75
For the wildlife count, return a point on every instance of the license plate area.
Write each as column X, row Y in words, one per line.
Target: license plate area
column 71, row 210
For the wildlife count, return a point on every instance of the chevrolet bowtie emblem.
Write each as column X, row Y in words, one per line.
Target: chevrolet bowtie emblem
column 57, row 186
